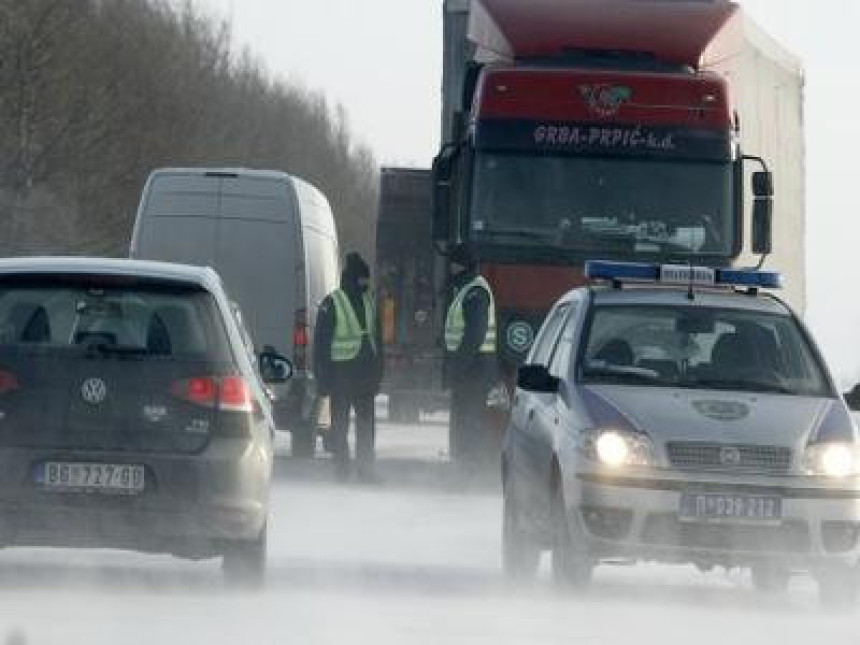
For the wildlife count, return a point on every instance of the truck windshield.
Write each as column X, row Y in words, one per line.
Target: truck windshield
column 700, row 348
column 605, row 205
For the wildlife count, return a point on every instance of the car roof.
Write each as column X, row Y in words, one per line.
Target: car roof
column 162, row 271
column 679, row 296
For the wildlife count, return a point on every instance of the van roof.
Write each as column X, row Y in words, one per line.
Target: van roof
column 225, row 171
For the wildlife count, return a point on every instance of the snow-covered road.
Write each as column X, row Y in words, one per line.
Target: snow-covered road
column 414, row 559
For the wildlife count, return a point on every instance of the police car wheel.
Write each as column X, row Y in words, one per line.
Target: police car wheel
column 244, row 563
column 771, row 578
column 520, row 553
column 571, row 564
column 839, row 588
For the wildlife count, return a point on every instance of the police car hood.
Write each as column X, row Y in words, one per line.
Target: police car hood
column 667, row 414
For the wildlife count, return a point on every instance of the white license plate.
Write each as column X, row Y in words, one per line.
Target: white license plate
column 742, row 508
column 100, row 478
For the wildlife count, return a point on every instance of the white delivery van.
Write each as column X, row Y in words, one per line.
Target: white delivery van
column 272, row 239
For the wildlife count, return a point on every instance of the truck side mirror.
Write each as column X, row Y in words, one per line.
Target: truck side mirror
column 852, row 398
column 762, row 184
column 762, row 226
column 443, row 171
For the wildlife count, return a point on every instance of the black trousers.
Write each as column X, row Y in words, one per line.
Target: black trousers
column 342, row 402
column 469, row 437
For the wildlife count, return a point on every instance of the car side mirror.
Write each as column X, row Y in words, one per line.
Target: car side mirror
column 275, row 368
column 536, row 378
column 762, row 225
column 852, row 398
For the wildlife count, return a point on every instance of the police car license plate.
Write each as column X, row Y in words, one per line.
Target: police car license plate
column 730, row 508
column 127, row 479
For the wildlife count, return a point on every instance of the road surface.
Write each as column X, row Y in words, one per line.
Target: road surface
column 412, row 559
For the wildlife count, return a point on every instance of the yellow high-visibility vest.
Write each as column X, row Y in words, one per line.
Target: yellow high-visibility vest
column 455, row 321
column 348, row 333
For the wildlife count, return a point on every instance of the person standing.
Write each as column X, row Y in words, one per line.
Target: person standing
column 471, row 364
column 348, row 365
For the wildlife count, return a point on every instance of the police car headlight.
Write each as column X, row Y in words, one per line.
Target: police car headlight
column 617, row 449
column 836, row 460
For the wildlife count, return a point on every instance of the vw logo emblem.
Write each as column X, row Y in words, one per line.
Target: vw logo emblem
column 730, row 456
column 94, row 391
column 520, row 336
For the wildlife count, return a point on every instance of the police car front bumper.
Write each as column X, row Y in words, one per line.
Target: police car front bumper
column 647, row 517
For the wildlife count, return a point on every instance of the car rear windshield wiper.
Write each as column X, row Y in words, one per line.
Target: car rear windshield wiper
column 119, row 351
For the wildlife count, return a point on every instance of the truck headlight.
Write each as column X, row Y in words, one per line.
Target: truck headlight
column 836, row 460
column 616, row 448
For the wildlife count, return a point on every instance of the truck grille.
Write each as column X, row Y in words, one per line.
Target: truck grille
column 715, row 456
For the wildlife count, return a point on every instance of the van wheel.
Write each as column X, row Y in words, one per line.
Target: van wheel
column 304, row 440
column 572, row 566
column 244, row 563
column 403, row 410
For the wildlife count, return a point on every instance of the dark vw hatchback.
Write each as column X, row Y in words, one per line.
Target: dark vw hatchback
column 133, row 413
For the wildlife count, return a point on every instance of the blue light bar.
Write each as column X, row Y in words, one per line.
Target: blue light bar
column 681, row 274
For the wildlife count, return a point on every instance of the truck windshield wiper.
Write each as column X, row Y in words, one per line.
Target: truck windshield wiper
column 515, row 232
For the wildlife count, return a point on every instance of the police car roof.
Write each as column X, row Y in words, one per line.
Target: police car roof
column 678, row 296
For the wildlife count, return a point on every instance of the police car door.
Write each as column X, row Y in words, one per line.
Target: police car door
column 531, row 448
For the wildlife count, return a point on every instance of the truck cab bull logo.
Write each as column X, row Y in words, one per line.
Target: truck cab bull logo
column 605, row 100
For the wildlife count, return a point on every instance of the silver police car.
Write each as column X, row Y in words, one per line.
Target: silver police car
column 133, row 413
column 691, row 420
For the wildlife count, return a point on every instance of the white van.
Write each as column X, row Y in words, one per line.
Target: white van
column 272, row 239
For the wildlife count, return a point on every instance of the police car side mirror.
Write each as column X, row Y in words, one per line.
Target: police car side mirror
column 536, row 378
column 852, row 398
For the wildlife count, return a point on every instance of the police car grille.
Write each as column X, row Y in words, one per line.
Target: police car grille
column 714, row 456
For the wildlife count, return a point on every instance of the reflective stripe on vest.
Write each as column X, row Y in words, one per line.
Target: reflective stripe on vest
column 455, row 322
column 348, row 333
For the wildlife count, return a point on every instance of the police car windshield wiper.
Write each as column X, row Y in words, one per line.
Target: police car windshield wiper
column 744, row 385
column 621, row 374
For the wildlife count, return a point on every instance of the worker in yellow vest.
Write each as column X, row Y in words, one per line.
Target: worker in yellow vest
column 471, row 365
column 348, row 365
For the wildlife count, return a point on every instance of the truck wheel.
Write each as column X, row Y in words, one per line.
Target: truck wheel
column 304, row 439
column 402, row 410
column 520, row 553
column 838, row 588
column 771, row 578
column 244, row 563
column 571, row 565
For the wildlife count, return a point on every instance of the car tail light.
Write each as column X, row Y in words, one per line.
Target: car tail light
column 300, row 340
column 228, row 393
column 8, row 382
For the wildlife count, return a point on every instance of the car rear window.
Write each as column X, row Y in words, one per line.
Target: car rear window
column 145, row 320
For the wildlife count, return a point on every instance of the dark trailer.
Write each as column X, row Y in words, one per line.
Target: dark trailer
column 409, row 276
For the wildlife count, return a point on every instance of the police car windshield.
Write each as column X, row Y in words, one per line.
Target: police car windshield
column 687, row 347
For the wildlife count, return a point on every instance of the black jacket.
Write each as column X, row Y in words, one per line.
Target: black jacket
column 360, row 376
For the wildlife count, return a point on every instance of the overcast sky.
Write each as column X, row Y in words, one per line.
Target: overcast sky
column 382, row 60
